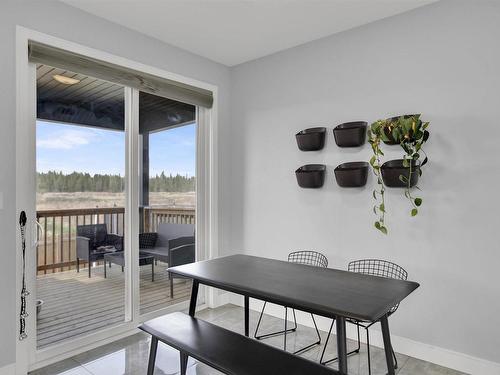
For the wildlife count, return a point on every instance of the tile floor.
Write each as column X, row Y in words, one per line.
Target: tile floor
column 129, row 356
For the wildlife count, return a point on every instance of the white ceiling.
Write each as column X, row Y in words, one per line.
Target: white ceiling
column 235, row 31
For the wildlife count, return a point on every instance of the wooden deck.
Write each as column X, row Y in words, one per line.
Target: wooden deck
column 76, row 305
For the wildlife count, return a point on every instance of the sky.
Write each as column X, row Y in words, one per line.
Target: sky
column 69, row 148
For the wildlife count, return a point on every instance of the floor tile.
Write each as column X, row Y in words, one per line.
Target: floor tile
column 66, row 367
column 415, row 366
column 133, row 359
column 129, row 356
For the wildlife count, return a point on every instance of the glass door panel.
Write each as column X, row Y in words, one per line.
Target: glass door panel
column 80, row 196
column 167, row 137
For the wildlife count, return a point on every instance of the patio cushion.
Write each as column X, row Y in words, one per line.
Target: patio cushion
column 168, row 231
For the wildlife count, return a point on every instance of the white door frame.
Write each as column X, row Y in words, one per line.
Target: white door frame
column 27, row 356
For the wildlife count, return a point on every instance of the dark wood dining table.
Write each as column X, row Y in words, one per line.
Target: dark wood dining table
column 326, row 292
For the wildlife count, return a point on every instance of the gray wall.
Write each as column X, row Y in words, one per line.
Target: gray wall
column 441, row 60
column 63, row 21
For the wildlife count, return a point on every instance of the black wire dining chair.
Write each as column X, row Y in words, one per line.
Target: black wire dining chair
column 310, row 258
column 374, row 267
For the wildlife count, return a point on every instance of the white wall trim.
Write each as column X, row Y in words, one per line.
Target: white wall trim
column 8, row 370
column 430, row 353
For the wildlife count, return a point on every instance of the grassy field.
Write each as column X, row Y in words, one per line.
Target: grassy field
column 59, row 201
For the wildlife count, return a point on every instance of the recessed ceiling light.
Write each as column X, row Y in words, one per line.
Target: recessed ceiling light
column 65, row 80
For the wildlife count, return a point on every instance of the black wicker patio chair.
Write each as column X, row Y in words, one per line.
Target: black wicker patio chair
column 91, row 239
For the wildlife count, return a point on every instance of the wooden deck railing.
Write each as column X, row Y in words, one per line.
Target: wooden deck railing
column 177, row 215
column 56, row 250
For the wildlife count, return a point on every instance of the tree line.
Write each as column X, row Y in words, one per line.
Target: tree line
column 53, row 181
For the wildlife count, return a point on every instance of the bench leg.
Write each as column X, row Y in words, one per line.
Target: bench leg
column 90, row 266
column 153, row 271
column 247, row 315
column 171, row 287
column 77, row 264
column 105, row 275
column 184, row 361
column 152, row 355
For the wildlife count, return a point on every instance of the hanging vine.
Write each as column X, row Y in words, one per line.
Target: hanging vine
column 411, row 134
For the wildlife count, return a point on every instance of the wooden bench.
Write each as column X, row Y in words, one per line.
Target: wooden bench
column 224, row 350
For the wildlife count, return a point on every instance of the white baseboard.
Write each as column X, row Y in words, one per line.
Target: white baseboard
column 8, row 370
column 430, row 353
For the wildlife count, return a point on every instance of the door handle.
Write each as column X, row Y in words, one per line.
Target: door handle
column 39, row 232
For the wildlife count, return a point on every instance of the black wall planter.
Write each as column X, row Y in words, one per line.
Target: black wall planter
column 311, row 175
column 312, row 139
column 353, row 174
column 350, row 134
column 392, row 169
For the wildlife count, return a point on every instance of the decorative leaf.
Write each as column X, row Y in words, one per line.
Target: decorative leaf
column 424, row 162
column 426, row 135
column 414, row 212
column 372, row 160
column 377, row 225
column 418, row 201
column 374, row 194
column 383, row 229
column 382, row 207
column 403, row 178
column 375, row 210
column 406, row 164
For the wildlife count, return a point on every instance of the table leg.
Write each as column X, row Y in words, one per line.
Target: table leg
column 184, row 360
column 247, row 315
column 387, row 344
column 152, row 355
column 341, row 345
column 194, row 297
column 286, row 328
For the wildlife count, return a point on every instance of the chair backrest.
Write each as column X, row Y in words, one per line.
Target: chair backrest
column 180, row 241
column 147, row 240
column 96, row 233
column 310, row 258
column 168, row 231
column 378, row 267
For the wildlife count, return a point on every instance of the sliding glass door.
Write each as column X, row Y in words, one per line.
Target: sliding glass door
column 115, row 169
column 84, row 253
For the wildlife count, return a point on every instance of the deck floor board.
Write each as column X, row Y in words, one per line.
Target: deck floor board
column 75, row 305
